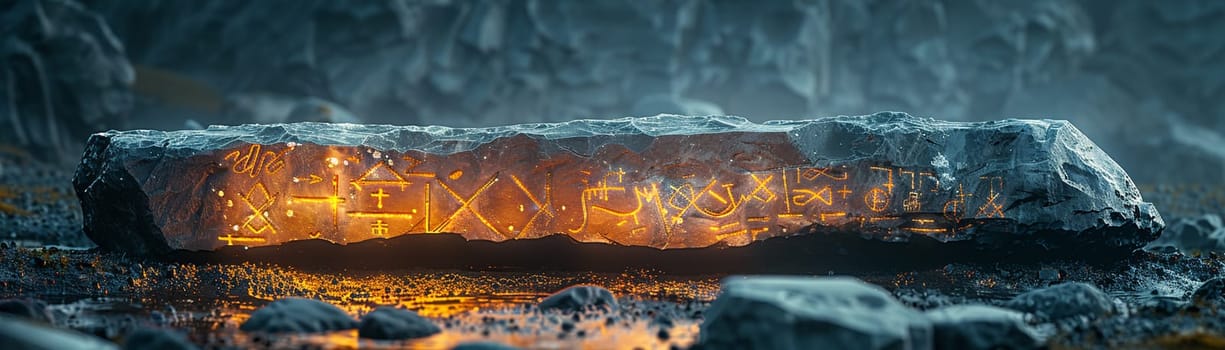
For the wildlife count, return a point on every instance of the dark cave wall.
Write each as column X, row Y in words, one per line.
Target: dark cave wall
column 1144, row 79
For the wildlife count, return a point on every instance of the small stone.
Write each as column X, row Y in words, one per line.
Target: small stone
column 156, row 339
column 1064, row 301
column 577, row 298
column 298, row 315
column 768, row 312
column 1048, row 274
column 391, row 323
column 981, row 327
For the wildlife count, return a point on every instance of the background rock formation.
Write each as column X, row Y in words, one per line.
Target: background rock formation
column 1142, row 78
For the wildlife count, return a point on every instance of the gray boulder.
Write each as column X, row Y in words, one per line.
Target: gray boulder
column 1063, row 301
column 1025, row 187
column 763, row 312
column 298, row 315
column 981, row 327
column 578, row 298
column 392, row 323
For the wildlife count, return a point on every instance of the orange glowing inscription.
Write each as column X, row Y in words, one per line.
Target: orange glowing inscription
column 269, row 194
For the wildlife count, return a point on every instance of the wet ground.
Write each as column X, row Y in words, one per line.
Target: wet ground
column 109, row 295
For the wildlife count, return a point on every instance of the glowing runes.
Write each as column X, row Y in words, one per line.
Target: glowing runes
column 466, row 204
column 258, row 210
column 877, row 199
column 378, row 228
column 991, row 209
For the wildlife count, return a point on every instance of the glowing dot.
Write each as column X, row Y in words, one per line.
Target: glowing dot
column 510, row 228
column 563, row 207
column 414, row 211
column 229, row 203
column 377, row 154
column 235, row 228
column 220, row 193
column 521, row 208
column 295, row 179
column 346, row 163
column 289, row 213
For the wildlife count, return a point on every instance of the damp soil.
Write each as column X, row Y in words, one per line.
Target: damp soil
column 109, row 294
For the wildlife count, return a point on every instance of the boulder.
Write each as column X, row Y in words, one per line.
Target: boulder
column 579, row 298
column 1063, row 301
column 664, row 182
column 392, row 323
column 981, row 327
column 764, row 312
column 298, row 315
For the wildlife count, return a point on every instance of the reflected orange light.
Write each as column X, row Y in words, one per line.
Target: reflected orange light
column 510, row 189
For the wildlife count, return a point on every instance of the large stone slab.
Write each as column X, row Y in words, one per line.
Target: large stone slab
column 664, row 182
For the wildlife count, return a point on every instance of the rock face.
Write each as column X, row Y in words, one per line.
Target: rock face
column 392, row 323
column 298, row 315
column 1064, row 301
column 663, row 182
column 810, row 313
column 577, row 298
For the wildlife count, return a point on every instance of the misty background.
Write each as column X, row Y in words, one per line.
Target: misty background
column 1144, row 79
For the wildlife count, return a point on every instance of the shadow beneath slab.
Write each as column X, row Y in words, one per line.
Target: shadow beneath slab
column 804, row 253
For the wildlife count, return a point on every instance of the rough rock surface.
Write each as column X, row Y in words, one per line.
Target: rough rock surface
column 298, row 315
column 664, row 182
column 981, row 327
column 392, row 323
column 810, row 313
column 578, row 298
column 1064, row 301
column 1192, row 235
